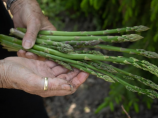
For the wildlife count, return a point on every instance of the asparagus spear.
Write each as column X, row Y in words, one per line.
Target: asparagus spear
column 114, row 70
column 61, row 49
column 86, row 33
column 99, row 75
column 82, row 43
column 102, row 66
column 63, row 64
column 87, row 52
column 148, row 92
column 114, row 39
column 142, row 52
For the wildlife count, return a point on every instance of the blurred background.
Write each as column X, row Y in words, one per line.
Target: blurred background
column 97, row 98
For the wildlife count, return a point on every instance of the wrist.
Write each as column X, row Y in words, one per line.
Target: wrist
column 2, row 74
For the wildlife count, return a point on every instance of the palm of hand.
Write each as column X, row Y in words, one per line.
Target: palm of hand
column 29, row 76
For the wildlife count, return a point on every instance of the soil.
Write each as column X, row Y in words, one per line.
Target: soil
column 86, row 99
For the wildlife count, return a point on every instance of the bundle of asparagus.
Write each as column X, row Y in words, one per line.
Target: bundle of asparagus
column 62, row 47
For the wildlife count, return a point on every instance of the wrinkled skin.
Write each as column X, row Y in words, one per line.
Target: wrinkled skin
column 27, row 14
column 28, row 75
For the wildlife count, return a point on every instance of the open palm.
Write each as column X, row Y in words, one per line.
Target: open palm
column 28, row 75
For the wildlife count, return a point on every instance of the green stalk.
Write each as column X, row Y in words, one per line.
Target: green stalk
column 82, row 43
column 148, row 92
column 142, row 52
column 94, row 52
column 114, row 70
column 85, row 33
column 58, row 44
column 61, row 49
column 63, row 64
column 113, row 39
column 99, row 75
column 132, row 61
column 102, row 66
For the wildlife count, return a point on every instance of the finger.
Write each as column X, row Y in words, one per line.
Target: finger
column 51, row 64
column 34, row 56
column 60, row 87
column 30, row 55
column 21, row 53
column 33, row 27
column 59, row 70
column 79, row 79
column 57, row 87
column 58, row 84
column 37, row 83
column 69, row 75
column 47, row 25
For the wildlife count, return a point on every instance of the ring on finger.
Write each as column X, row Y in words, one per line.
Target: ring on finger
column 45, row 83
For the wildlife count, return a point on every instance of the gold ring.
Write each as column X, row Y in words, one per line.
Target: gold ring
column 45, row 83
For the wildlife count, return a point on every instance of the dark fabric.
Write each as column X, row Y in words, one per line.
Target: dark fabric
column 16, row 103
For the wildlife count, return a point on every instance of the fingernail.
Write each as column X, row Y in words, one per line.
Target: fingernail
column 67, row 87
column 27, row 44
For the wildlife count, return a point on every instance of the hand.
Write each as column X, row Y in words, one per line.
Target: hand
column 27, row 14
column 28, row 75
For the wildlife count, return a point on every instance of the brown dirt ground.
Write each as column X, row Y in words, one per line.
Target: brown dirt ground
column 86, row 99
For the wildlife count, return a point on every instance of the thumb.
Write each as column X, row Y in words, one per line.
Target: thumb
column 33, row 28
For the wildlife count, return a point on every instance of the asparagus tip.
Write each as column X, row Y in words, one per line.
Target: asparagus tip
column 132, row 37
column 148, row 54
column 141, row 28
column 136, row 37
